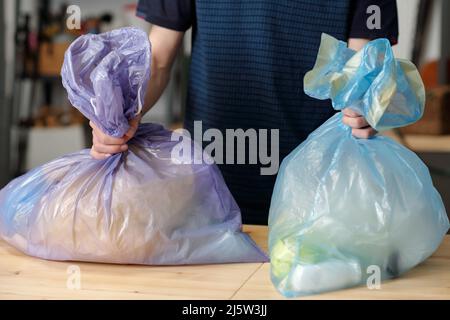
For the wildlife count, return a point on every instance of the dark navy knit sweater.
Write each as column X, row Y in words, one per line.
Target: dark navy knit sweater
column 248, row 62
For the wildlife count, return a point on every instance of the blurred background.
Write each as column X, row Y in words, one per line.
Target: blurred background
column 37, row 123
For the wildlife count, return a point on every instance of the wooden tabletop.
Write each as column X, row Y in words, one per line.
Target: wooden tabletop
column 24, row 277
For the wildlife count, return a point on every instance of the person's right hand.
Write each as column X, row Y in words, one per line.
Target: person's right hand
column 103, row 145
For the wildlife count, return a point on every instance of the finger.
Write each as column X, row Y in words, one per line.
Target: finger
column 130, row 133
column 356, row 123
column 97, row 155
column 350, row 113
column 134, row 123
column 110, row 149
column 364, row 133
column 106, row 139
column 105, row 148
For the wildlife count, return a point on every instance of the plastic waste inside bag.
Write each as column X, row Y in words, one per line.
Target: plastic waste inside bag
column 137, row 207
column 343, row 207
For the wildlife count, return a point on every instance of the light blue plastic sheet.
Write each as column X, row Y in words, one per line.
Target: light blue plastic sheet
column 147, row 205
column 348, row 211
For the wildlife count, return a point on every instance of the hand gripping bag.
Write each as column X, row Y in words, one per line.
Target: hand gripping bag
column 344, row 209
column 139, row 207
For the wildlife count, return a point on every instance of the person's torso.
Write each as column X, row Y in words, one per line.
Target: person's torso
column 248, row 62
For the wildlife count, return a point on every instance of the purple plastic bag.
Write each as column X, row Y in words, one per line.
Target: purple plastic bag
column 105, row 77
column 138, row 207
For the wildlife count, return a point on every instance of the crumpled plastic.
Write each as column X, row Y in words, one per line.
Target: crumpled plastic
column 142, row 206
column 348, row 211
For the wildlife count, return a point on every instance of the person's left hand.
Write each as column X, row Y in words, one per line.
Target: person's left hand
column 360, row 128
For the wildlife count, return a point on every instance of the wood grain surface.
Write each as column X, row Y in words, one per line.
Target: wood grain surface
column 24, row 277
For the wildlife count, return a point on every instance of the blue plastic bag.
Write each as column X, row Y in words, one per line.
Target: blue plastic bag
column 138, row 207
column 344, row 209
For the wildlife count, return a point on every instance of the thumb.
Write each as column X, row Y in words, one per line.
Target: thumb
column 134, row 123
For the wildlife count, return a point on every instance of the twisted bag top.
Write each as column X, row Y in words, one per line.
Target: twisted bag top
column 387, row 91
column 105, row 76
